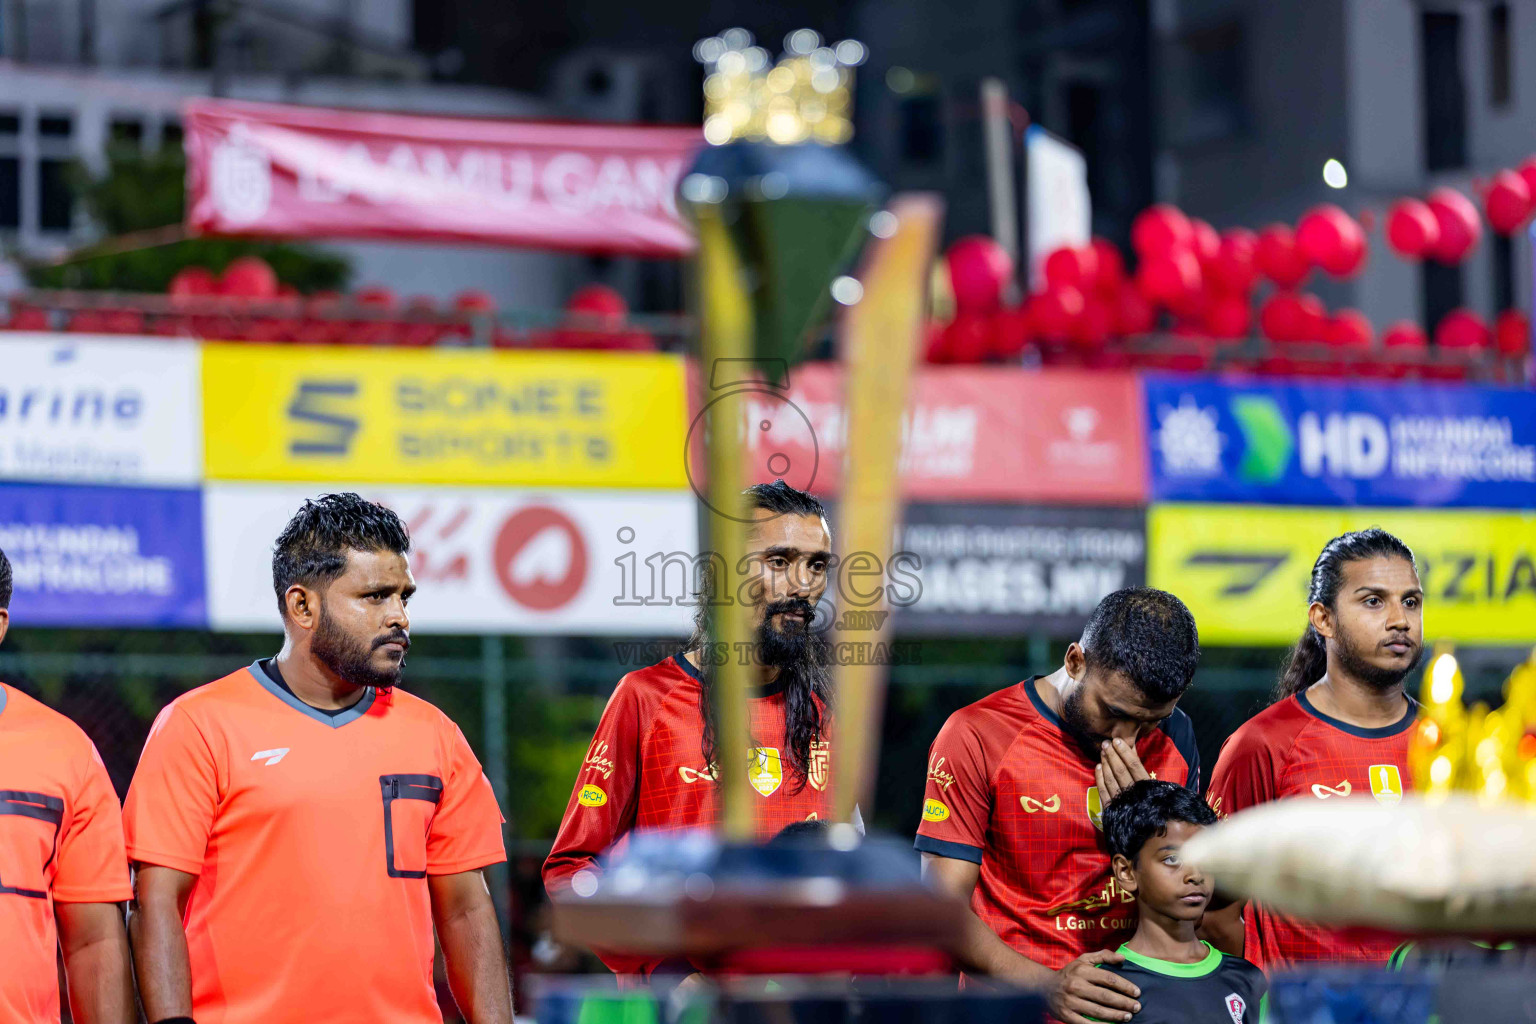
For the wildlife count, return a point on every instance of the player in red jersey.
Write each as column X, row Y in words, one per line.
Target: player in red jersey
column 1339, row 728
column 63, row 875
column 299, row 826
column 651, row 764
column 1016, row 786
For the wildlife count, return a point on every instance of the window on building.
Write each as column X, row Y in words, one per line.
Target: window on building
column 1442, row 292
column 55, row 196
column 921, row 134
column 10, row 193
column 1498, row 55
column 127, row 131
column 10, row 124
column 1207, row 85
column 1503, row 272
column 1445, row 92
column 55, row 126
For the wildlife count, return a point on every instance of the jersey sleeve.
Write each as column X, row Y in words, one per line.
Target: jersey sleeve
column 1182, row 732
column 92, row 861
column 169, row 812
column 602, row 805
column 1245, row 772
column 957, row 800
column 466, row 830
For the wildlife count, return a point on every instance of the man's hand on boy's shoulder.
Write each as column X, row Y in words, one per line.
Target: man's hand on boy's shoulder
column 1082, row 993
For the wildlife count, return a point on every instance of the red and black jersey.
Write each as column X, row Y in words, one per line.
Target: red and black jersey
column 1011, row 790
column 646, row 770
column 1292, row 749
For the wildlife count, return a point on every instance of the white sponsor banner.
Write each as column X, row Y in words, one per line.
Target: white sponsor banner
column 1060, row 210
column 485, row 560
column 104, row 410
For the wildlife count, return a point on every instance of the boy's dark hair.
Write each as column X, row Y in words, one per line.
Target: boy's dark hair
column 1309, row 658
column 1144, row 811
column 813, row 830
column 5, row 581
column 1146, row 635
column 312, row 549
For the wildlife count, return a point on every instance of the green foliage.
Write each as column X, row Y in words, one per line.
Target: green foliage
column 548, row 737
column 141, row 192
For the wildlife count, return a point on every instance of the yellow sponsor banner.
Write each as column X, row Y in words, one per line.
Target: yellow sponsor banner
column 1243, row 570
column 443, row 416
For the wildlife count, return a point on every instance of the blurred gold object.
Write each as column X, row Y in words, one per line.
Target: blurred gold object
column 806, row 97
column 1490, row 753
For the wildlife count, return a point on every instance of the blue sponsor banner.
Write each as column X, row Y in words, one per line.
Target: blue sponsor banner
column 104, row 556
column 1340, row 444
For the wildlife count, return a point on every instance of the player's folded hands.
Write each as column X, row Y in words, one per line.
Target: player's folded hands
column 1119, row 769
column 1084, row 994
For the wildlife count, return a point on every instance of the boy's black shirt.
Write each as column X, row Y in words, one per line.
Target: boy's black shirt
column 1220, row 989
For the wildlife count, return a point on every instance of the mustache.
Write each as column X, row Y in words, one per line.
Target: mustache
column 792, row 604
column 399, row 637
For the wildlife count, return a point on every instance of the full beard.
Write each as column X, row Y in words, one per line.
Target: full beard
column 349, row 659
column 1352, row 660
column 1075, row 722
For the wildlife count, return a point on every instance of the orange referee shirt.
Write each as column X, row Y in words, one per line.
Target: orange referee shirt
column 312, row 837
column 61, row 841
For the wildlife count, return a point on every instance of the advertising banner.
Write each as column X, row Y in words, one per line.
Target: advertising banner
column 1243, row 571
column 311, row 172
column 969, row 434
column 999, row 569
column 486, row 561
column 446, row 416
column 79, row 409
column 104, row 556
column 1336, row 444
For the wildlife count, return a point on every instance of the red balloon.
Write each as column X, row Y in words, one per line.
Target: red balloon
column 1111, row 267
column 598, row 302
column 1160, row 229
column 249, row 277
column 1527, row 172
column 1314, row 317
column 1133, row 314
column 1463, row 329
column 979, row 268
column 1054, row 312
column 1228, row 316
column 191, row 282
column 1508, row 202
column 1404, row 334
column 1277, row 257
column 1092, row 329
column 1292, row 316
column 968, row 338
column 1460, row 228
column 1204, row 241
column 1012, row 331
column 1072, row 267
column 1170, row 279
column 1232, row 270
column 1349, row 328
column 1332, row 239
column 1413, row 231
column 1512, row 333
column 377, row 296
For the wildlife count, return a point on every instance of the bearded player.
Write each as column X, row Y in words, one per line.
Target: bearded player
column 1016, row 785
column 63, row 876
column 652, row 762
column 298, row 827
column 1339, row 729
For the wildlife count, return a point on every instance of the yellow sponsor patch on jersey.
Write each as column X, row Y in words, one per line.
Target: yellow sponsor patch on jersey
column 933, row 810
column 592, row 796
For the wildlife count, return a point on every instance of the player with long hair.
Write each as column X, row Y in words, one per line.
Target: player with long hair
column 1339, row 727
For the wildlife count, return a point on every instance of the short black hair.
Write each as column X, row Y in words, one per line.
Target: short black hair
column 812, row 830
column 5, row 581
column 1144, row 811
column 312, row 549
column 782, row 499
column 1146, row 635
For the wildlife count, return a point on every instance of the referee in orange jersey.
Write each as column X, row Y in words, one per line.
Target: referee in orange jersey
column 63, row 876
column 298, row 828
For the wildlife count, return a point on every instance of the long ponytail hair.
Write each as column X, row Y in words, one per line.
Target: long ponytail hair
column 1308, row 660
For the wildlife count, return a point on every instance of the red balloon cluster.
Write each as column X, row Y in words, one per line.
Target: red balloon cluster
column 1445, row 225
column 1329, row 238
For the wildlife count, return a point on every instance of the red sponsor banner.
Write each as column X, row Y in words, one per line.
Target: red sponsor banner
column 311, row 172
column 1000, row 434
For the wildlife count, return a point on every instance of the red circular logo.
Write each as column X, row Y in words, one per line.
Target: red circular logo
column 541, row 558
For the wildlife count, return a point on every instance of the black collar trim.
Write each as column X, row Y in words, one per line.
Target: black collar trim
column 1380, row 732
column 773, row 689
column 352, row 714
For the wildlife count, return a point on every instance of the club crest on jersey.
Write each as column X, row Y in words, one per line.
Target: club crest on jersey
column 592, row 796
column 1096, row 808
column 1386, row 783
column 933, row 810
column 764, row 770
column 821, row 765
column 1236, row 1007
